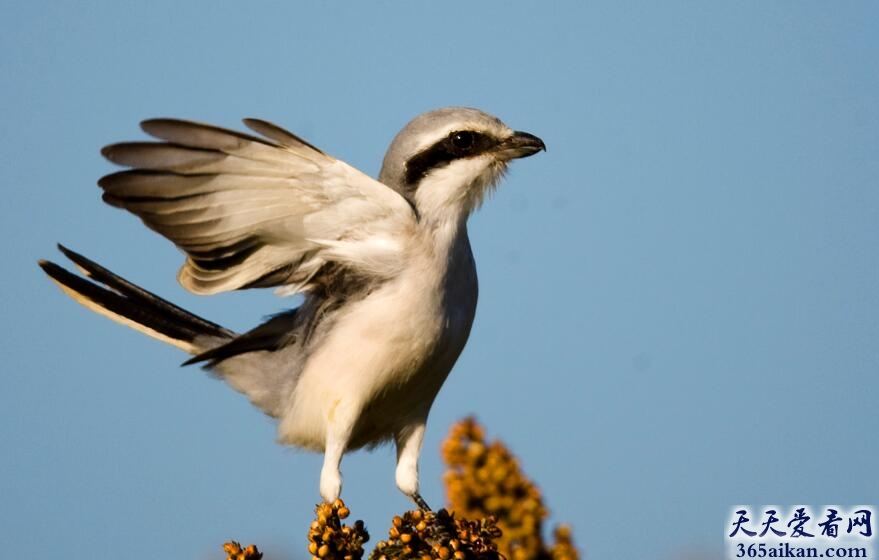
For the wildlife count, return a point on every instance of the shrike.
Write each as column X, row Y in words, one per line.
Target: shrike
column 385, row 267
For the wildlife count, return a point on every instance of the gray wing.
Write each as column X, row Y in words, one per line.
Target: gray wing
column 256, row 212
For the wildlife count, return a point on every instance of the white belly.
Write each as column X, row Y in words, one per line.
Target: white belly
column 381, row 365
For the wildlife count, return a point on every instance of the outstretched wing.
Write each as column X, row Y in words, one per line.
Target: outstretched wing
column 256, row 212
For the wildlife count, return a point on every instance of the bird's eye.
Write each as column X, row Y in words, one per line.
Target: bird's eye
column 462, row 140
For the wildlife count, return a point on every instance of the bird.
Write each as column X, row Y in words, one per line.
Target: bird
column 384, row 268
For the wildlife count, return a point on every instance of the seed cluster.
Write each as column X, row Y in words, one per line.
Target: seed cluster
column 483, row 482
column 329, row 539
column 563, row 548
column 485, row 479
column 234, row 551
column 438, row 535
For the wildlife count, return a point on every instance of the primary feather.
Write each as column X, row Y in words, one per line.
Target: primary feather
column 254, row 212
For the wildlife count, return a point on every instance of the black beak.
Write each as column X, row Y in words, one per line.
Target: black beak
column 520, row 144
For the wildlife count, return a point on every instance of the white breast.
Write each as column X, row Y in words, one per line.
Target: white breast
column 386, row 357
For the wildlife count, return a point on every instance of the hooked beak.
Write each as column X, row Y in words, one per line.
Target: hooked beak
column 520, row 144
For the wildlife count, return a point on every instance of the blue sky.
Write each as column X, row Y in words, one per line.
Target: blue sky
column 679, row 303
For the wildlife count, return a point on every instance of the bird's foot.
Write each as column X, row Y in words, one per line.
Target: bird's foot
column 419, row 501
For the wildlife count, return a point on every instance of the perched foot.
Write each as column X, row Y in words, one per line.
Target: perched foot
column 408, row 446
column 330, row 479
column 419, row 501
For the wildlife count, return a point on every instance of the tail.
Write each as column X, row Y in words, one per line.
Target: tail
column 114, row 297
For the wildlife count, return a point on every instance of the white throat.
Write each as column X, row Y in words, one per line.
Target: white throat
column 452, row 192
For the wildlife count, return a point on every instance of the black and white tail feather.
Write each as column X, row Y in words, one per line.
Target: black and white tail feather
column 108, row 294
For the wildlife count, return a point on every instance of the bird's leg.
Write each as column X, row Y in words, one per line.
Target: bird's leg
column 330, row 475
column 340, row 423
column 409, row 441
column 419, row 501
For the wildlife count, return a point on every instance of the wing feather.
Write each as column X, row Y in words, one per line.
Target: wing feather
column 278, row 134
column 252, row 211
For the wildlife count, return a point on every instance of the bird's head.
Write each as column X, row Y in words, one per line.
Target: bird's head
column 445, row 161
